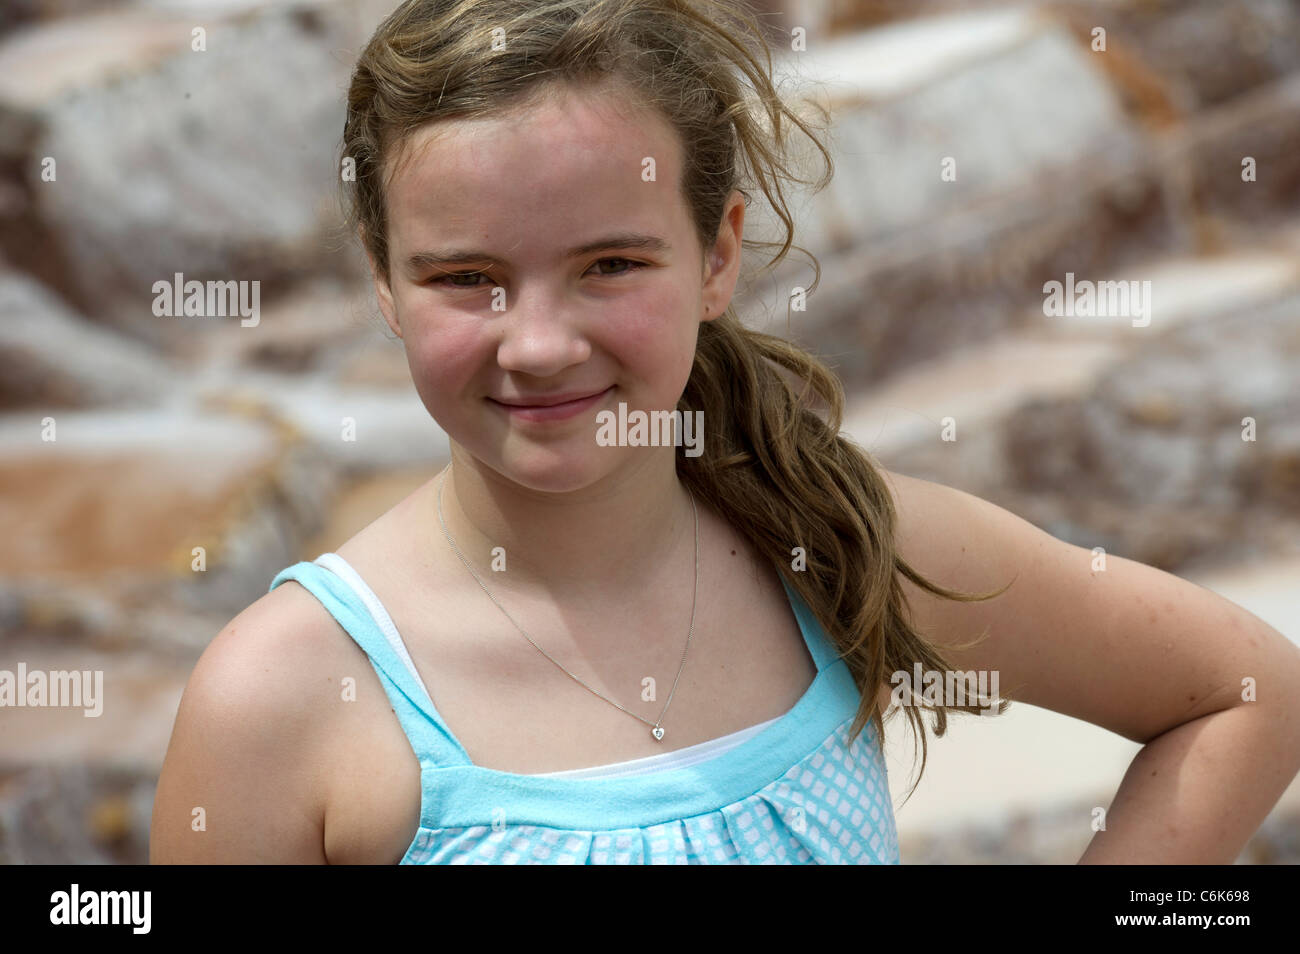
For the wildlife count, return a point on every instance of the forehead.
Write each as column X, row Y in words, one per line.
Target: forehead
column 537, row 176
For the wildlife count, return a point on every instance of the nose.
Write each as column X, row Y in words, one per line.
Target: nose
column 541, row 336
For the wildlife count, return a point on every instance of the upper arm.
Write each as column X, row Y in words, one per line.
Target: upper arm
column 238, row 784
column 1129, row 647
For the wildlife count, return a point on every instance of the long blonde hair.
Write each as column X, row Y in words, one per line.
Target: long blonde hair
column 773, row 466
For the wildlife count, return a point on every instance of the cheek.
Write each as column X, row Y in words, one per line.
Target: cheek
column 443, row 356
column 655, row 331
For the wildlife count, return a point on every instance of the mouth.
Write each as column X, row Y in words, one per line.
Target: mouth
column 554, row 407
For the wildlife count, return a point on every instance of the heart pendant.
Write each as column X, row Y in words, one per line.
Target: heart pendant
column 658, row 733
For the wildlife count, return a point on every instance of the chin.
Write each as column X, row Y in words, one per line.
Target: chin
column 554, row 472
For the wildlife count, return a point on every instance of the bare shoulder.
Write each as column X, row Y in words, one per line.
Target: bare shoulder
column 928, row 513
column 1078, row 631
column 264, row 658
column 962, row 542
column 238, row 782
column 928, row 535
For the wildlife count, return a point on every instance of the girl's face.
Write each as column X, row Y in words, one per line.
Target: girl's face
column 543, row 255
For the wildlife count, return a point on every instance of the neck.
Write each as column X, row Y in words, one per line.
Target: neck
column 617, row 537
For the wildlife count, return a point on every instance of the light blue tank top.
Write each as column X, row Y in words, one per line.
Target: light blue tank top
column 794, row 790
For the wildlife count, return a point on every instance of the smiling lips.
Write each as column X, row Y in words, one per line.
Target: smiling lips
column 552, row 407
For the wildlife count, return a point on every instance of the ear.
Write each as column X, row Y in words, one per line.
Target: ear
column 382, row 291
column 722, row 261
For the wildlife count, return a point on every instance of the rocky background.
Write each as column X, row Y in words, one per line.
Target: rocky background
column 175, row 433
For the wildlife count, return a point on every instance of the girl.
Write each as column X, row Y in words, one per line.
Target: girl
column 577, row 644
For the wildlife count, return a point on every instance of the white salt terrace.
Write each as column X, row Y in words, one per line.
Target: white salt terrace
column 1059, row 357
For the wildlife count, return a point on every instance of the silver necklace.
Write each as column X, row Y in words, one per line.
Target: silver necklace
column 656, row 729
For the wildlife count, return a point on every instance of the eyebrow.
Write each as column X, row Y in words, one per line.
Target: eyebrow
column 623, row 241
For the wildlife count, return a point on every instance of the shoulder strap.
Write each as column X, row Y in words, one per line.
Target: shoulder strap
column 819, row 645
column 429, row 736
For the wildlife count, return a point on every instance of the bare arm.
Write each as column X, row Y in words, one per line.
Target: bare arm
column 237, row 785
column 1141, row 652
